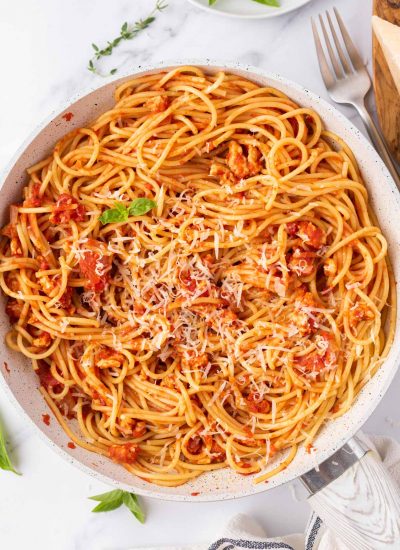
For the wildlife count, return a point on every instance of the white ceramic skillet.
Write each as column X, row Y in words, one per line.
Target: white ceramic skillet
column 362, row 502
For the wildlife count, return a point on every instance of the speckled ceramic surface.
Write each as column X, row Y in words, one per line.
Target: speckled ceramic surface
column 21, row 383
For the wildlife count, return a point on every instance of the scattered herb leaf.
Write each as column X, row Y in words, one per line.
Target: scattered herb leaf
column 5, row 462
column 114, row 215
column 108, row 501
column 127, row 32
column 132, row 503
column 114, row 499
column 120, row 213
column 139, row 207
column 274, row 3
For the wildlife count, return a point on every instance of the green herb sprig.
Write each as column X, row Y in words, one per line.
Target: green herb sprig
column 127, row 32
column 5, row 462
column 120, row 213
column 273, row 3
column 114, row 499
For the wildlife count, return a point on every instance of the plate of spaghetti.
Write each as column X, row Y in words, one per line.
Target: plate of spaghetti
column 197, row 292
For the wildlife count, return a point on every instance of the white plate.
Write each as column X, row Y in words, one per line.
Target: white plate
column 248, row 9
column 21, row 382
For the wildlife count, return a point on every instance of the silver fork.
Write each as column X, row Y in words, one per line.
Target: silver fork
column 349, row 82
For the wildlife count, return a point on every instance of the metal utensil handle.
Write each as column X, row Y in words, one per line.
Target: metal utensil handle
column 378, row 141
column 361, row 507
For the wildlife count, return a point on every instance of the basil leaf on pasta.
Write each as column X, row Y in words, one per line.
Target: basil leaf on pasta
column 113, row 500
column 5, row 462
column 114, row 215
column 141, row 206
column 131, row 502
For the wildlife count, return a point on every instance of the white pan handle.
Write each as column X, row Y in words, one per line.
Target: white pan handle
column 356, row 498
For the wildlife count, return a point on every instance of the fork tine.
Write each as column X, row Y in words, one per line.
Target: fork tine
column 351, row 49
column 326, row 72
column 336, row 67
column 346, row 67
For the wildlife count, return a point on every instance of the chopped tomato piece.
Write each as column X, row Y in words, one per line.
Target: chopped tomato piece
column 257, row 404
column 95, row 264
column 71, row 445
column 10, row 231
column 67, row 405
column 304, row 316
column 310, row 363
column 189, row 283
column 324, row 357
column 67, row 208
column 195, row 361
column 99, row 398
column 43, row 263
column 47, row 380
column 33, row 198
column 302, row 262
column 241, row 166
column 139, row 429
column 68, row 116
column 157, row 104
column 309, row 233
column 42, row 341
column 292, row 228
column 108, row 358
column 46, row 419
column 66, row 297
column 14, row 309
column 124, row 454
column 217, row 451
column 361, row 312
column 194, row 445
column 225, row 175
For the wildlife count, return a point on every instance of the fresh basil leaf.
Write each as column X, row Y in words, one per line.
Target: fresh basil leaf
column 211, row 2
column 113, row 500
column 109, row 496
column 274, row 3
column 5, row 462
column 107, row 506
column 108, row 501
column 141, row 206
column 114, row 215
column 131, row 502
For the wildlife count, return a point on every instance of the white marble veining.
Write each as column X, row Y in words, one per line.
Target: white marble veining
column 46, row 46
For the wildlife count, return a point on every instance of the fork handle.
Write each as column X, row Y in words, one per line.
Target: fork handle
column 378, row 141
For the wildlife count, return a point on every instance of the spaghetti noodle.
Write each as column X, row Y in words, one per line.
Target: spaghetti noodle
column 223, row 325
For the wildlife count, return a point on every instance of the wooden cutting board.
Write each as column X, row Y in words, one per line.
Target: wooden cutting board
column 386, row 94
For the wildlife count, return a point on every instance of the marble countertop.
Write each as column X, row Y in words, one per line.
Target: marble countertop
column 46, row 46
